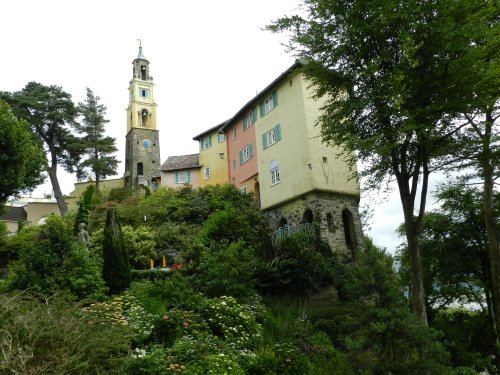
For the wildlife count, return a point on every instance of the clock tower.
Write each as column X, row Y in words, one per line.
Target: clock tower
column 142, row 153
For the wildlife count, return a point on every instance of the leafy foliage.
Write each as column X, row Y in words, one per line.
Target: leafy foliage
column 50, row 114
column 21, row 161
column 50, row 337
column 55, row 261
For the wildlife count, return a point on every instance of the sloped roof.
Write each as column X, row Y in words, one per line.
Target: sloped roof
column 175, row 163
column 260, row 95
column 14, row 213
column 216, row 127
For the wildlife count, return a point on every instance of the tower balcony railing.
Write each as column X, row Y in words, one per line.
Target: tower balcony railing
column 288, row 230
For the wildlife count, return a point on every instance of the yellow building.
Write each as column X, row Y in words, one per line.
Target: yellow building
column 212, row 157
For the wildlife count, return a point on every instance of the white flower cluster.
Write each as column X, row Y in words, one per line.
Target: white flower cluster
column 138, row 353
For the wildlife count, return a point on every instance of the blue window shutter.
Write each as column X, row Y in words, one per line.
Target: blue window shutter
column 176, row 177
column 278, row 132
column 241, row 157
column 209, row 141
column 250, row 149
column 261, row 108
column 264, row 141
column 275, row 99
column 254, row 114
column 188, row 176
column 245, row 125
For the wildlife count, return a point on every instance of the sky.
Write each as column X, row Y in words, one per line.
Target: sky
column 207, row 58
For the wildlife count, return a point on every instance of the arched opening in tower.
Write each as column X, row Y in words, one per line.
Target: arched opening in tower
column 144, row 118
column 283, row 222
column 143, row 72
column 140, row 170
column 350, row 235
column 308, row 216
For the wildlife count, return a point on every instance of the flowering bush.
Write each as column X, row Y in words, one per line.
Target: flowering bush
column 176, row 323
column 215, row 364
column 233, row 322
column 149, row 361
column 125, row 311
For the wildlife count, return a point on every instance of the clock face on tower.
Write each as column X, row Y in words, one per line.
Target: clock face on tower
column 146, row 143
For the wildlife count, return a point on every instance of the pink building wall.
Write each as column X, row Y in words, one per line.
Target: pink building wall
column 248, row 169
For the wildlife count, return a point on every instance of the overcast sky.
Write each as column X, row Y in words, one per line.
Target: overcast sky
column 208, row 58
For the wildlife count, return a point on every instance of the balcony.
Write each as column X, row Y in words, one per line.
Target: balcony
column 289, row 230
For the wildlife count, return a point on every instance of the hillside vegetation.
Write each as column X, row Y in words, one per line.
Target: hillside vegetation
column 232, row 302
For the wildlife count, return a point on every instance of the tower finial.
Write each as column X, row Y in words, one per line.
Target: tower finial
column 140, row 42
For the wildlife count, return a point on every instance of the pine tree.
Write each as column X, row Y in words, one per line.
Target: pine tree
column 116, row 267
column 97, row 147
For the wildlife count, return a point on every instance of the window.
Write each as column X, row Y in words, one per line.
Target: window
column 144, row 93
column 275, row 172
column 243, row 189
column 275, row 176
column 221, row 137
column 249, row 119
column 234, row 133
column 182, row 177
column 246, row 154
column 206, row 142
column 207, row 173
column 268, row 104
column 271, row 137
column 234, row 164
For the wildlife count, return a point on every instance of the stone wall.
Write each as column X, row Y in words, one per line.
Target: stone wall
column 334, row 210
column 139, row 151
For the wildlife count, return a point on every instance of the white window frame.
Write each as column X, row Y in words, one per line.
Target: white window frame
column 234, row 133
column 271, row 137
column 221, row 137
column 243, row 189
column 145, row 92
column 183, row 177
column 275, row 176
column 207, row 173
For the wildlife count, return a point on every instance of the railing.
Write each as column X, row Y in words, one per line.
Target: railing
column 288, row 230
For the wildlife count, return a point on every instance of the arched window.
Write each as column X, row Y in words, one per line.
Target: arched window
column 140, row 171
column 308, row 216
column 144, row 118
column 349, row 232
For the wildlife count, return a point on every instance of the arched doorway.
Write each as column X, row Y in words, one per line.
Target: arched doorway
column 144, row 118
column 282, row 222
column 140, row 170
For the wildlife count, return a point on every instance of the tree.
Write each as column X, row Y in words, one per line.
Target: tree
column 390, row 96
column 456, row 267
column 50, row 114
column 96, row 146
column 455, row 251
column 21, row 160
column 116, row 267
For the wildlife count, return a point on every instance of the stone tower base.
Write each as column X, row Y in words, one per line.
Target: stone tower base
column 339, row 220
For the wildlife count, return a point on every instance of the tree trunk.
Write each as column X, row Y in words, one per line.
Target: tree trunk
column 52, row 171
column 485, row 161
column 417, row 279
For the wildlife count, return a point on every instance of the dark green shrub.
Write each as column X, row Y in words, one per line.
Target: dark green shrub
column 54, row 261
column 225, row 270
column 116, row 266
column 297, row 266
